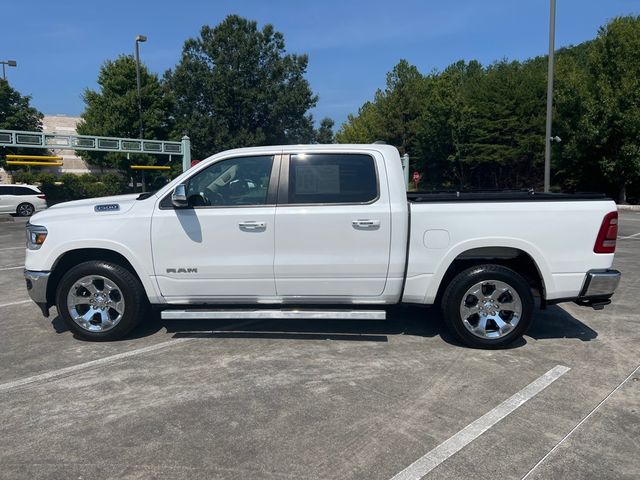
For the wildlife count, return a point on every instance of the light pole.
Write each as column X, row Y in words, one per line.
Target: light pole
column 11, row 63
column 547, row 138
column 139, row 39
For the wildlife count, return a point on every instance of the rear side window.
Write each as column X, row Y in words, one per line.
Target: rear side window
column 332, row 178
column 24, row 191
column 6, row 190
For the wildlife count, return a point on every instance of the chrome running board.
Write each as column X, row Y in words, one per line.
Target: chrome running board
column 195, row 314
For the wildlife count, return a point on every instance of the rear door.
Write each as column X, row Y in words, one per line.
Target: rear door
column 333, row 225
column 7, row 199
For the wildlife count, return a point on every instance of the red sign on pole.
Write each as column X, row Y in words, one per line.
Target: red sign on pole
column 416, row 177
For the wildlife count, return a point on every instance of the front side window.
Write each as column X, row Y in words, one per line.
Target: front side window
column 332, row 178
column 233, row 182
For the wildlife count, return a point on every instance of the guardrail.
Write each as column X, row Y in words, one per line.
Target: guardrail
column 24, row 139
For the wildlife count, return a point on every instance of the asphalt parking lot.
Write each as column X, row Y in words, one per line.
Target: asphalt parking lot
column 321, row 399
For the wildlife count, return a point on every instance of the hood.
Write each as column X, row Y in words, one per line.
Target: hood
column 102, row 206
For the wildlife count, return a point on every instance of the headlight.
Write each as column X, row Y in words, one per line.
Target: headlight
column 36, row 235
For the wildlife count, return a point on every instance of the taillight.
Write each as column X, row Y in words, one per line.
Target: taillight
column 606, row 239
column 43, row 197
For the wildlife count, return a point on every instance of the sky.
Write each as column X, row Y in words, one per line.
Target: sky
column 60, row 45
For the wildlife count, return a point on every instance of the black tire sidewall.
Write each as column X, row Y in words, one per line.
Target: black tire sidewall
column 463, row 281
column 129, row 285
column 33, row 209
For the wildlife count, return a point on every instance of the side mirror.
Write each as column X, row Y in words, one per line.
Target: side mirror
column 179, row 196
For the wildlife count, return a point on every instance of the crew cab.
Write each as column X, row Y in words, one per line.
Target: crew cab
column 318, row 231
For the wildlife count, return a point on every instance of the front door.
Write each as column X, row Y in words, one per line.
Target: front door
column 333, row 227
column 222, row 245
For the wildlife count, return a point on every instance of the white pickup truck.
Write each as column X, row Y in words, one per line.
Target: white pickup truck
column 318, row 231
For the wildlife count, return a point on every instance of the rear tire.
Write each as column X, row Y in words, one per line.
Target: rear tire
column 488, row 306
column 100, row 301
column 25, row 210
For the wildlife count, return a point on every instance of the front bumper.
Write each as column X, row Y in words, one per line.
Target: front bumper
column 598, row 287
column 37, row 288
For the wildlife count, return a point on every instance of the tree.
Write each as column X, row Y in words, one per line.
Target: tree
column 236, row 86
column 113, row 110
column 574, row 167
column 393, row 114
column 505, row 145
column 444, row 127
column 365, row 127
column 471, row 126
column 16, row 113
column 324, row 134
column 614, row 106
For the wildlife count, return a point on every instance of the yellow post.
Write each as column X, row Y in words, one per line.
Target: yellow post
column 34, row 164
column 42, row 158
column 149, row 167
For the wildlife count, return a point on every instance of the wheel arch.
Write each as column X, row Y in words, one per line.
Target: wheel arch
column 511, row 257
column 74, row 257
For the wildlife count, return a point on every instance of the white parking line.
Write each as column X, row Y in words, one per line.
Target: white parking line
column 11, row 268
column 82, row 366
column 580, row 423
column 12, row 248
column 468, row 434
column 14, row 303
column 101, row 361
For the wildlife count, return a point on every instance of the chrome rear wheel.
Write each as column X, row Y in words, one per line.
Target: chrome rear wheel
column 491, row 309
column 488, row 306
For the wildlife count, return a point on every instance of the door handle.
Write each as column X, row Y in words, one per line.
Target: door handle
column 251, row 226
column 366, row 224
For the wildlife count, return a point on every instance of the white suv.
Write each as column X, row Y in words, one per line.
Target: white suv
column 23, row 200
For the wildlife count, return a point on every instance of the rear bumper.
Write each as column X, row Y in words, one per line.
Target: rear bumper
column 37, row 288
column 597, row 289
column 600, row 282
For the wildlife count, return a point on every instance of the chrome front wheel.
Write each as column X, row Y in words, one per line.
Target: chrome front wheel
column 491, row 309
column 100, row 300
column 95, row 303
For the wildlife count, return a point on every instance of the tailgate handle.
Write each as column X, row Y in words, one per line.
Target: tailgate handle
column 366, row 224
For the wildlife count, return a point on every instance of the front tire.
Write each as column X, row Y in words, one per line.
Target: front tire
column 488, row 306
column 100, row 301
column 25, row 210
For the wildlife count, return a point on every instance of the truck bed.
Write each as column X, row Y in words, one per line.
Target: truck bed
column 557, row 232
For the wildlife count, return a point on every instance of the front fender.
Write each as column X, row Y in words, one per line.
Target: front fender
column 128, row 236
